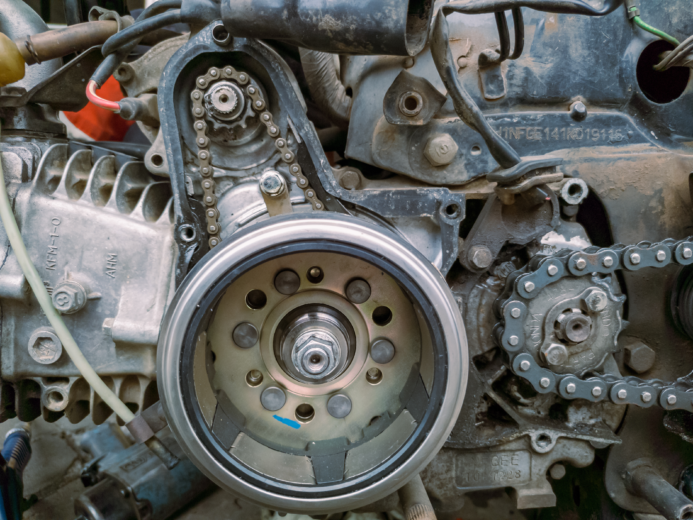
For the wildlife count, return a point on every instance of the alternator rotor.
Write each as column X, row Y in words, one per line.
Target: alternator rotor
column 287, row 385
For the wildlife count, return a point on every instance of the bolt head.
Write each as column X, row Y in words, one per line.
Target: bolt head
column 597, row 391
column 69, row 297
column 555, row 354
column 635, row 258
column 544, row 382
column 525, row 365
column 571, row 388
column 622, row 393
column 529, row 286
column 315, row 353
column 639, row 357
column 441, row 150
column 671, row 399
column 580, row 264
column 272, row 183
column 596, row 300
column 480, row 257
column 44, row 346
column 350, row 180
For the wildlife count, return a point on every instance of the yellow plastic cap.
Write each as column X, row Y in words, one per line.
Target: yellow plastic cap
column 11, row 62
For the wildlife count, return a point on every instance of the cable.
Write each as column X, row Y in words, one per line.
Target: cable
column 551, row 6
column 519, row 23
column 92, row 96
column 139, row 29
column 679, row 54
column 664, row 36
column 56, row 321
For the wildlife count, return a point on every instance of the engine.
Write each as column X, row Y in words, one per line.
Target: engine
column 378, row 255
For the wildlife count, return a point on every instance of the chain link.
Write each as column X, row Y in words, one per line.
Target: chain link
column 527, row 283
column 204, row 156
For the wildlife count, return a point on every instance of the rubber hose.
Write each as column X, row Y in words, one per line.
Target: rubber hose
column 139, row 29
column 55, row 319
column 326, row 88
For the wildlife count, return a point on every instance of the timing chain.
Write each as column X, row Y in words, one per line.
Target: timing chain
column 204, row 155
column 527, row 283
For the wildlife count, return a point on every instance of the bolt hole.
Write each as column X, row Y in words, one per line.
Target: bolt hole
column 543, row 440
column 256, row 299
column 660, row 86
column 55, row 398
column 254, row 378
column 220, row 34
column 476, row 150
column 224, row 98
column 452, row 210
column 305, row 413
column 382, row 316
column 374, row 376
column 187, row 233
column 574, row 190
column 315, row 275
column 157, row 160
column 411, row 103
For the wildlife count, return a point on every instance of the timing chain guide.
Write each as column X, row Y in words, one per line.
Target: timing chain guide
column 527, row 283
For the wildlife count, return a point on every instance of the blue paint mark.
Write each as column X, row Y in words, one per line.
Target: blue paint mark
column 288, row 422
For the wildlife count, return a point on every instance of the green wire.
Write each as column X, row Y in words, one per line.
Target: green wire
column 656, row 32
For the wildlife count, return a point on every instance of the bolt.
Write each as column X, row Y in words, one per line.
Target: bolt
column 552, row 270
column 272, row 183
column 516, row 313
column 69, row 297
column 596, row 300
column 574, row 326
column 44, row 346
column 646, row 397
column 339, row 406
column 287, row 282
column 254, row 378
column 350, row 180
column 661, row 256
column 557, row 471
column 578, row 111
column 555, row 354
column 273, row 398
column 480, row 257
column 245, row 335
column 374, row 376
column 529, row 286
column 687, row 252
column 382, row 351
column 571, row 388
column 671, row 399
column 622, row 393
column 513, row 340
column 544, row 382
column 639, row 357
column 597, row 391
column 573, row 192
column 441, row 150
column 358, row 291
column 608, row 261
column 635, row 258
column 525, row 365
column 580, row 264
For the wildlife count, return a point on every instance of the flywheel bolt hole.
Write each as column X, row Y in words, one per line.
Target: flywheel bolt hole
column 374, row 376
column 254, row 378
column 305, row 413
column 256, row 299
column 382, row 316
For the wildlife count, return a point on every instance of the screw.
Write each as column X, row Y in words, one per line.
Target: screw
column 552, row 270
column 69, row 297
column 382, row 351
column 480, row 257
column 441, row 150
column 571, row 388
column 45, row 346
column 513, row 340
column 635, row 258
column 529, row 286
column 339, row 406
column 646, row 397
column 272, row 183
column 544, row 382
column 687, row 252
column 608, row 261
column 671, row 399
column 273, row 398
column 580, row 264
column 622, row 394
column 516, row 313
column 578, row 111
column 350, row 180
column 639, row 357
column 525, row 365
column 661, row 256
column 597, row 391
column 555, row 354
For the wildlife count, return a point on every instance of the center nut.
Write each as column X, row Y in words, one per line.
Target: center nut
column 314, row 343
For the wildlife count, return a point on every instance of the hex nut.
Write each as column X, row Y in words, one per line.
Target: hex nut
column 441, row 150
column 44, row 346
column 69, row 297
column 554, row 354
column 272, row 183
column 480, row 257
column 639, row 357
column 350, row 180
